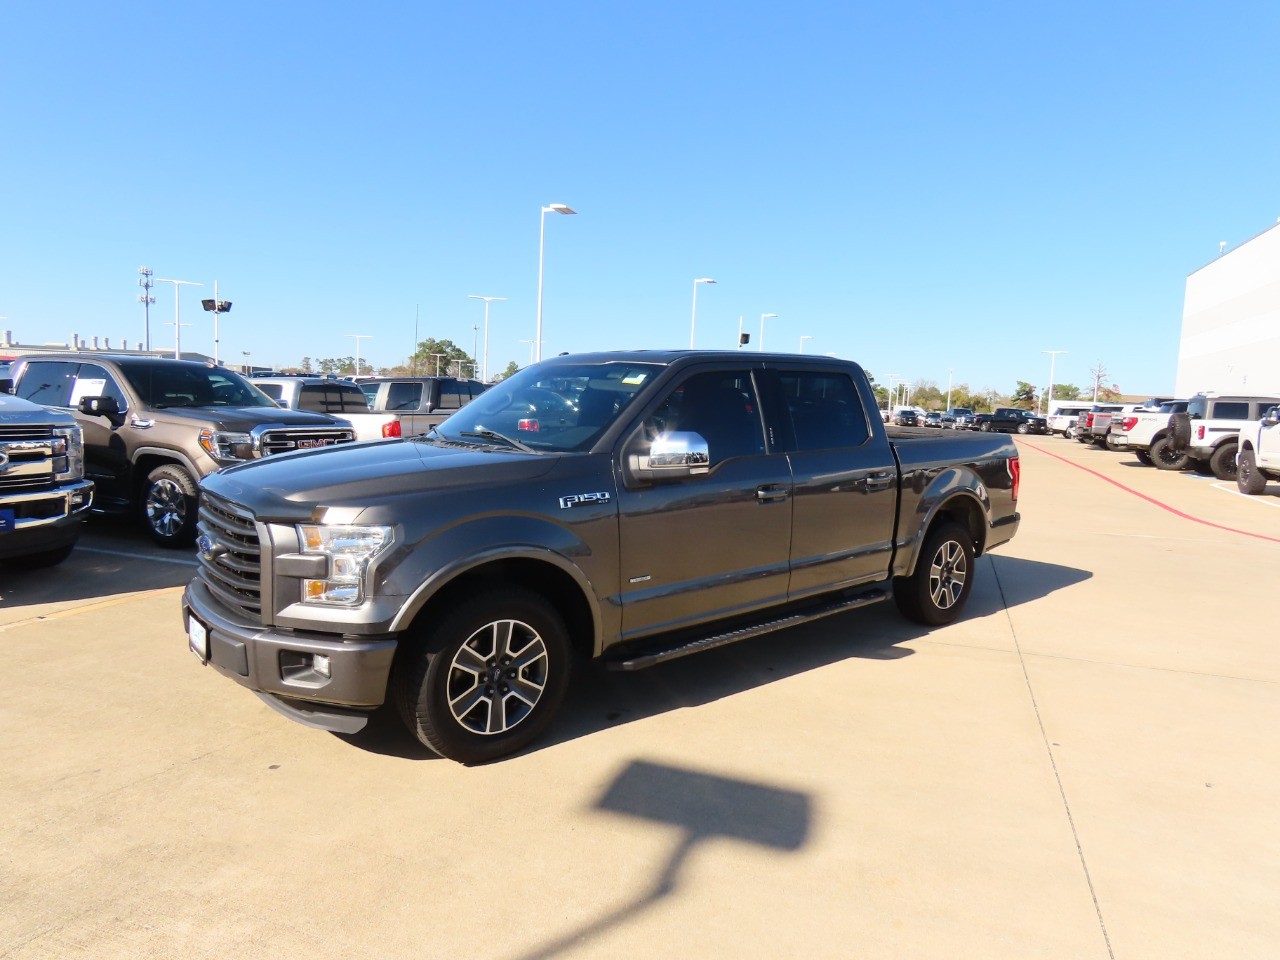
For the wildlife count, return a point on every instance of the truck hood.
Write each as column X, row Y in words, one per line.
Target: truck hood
column 15, row 411
column 300, row 487
column 240, row 419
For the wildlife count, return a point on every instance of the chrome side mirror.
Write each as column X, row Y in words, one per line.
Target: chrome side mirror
column 1272, row 416
column 673, row 456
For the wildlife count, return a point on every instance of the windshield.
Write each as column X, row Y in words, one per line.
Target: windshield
column 171, row 384
column 557, row 409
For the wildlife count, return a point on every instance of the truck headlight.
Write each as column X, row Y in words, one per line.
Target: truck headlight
column 350, row 550
column 227, row 446
column 68, row 453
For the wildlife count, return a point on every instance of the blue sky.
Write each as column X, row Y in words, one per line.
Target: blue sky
column 916, row 186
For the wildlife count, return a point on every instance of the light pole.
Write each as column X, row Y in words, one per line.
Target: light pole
column 218, row 307
column 531, row 345
column 694, row 321
column 487, row 301
column 357, row 337
column 247, row 368
column 763, row 318
column 475, row 349
column 948, row 388
column 802, row 340
column 146, row 299
column 542, row 247
column 177, row 324
column 1053, row 355
column 439, row 357
column 888, row 394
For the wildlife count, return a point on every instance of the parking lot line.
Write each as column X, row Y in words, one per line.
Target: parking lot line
column 1152, row 500
column 138, row 556
column 1236, row 493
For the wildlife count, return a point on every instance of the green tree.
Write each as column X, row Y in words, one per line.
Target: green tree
column 1066, row 391
column 443, row 357
column 1024, row 395
column 512, row 369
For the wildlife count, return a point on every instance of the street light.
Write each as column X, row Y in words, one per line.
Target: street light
column 948, row 388
column 217, row 307
column 694, row 321
column 246, row 369
column 763, row 317
column 531, row 344
column 1053, row 355
column 542, row 246
column 802, row 340
column 487, row 301
column 177, row 324
column 146, row 299
column 357, row 337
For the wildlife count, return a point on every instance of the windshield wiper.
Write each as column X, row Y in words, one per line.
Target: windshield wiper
column 494, row 435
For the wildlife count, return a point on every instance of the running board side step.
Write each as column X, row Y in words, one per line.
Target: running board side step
column 638, row 659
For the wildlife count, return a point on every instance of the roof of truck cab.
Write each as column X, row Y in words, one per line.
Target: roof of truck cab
column 665, row 357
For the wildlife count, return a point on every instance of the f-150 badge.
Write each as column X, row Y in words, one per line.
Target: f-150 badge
column 584, row 499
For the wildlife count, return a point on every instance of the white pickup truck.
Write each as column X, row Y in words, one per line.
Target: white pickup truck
column 1258, row 457
column 340, row 399
column 1145, row 432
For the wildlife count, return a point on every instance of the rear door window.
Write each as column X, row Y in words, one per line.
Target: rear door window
column 48, row 382
column 404, row 396
column 824, row 409
column 453, row 394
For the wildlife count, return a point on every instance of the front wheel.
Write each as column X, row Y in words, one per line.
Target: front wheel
column 1248, row 479
column 169, row 506
column 1023, row 428
column 1223, row 461
column 487, row 678
column 936, row 592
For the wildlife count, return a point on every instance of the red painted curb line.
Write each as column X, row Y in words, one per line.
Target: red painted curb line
column 1152, row 500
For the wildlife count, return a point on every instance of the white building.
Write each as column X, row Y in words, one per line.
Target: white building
column 1231, row 322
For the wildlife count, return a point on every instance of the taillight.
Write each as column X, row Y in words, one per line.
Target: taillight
column 391, row 429
column 1086, row 419
column 1200, row 433
column 528, row 425
column 1128, row 423
column 1015, row 474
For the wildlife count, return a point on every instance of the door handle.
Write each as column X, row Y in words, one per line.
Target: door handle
column 771, row 493
column 876, row 481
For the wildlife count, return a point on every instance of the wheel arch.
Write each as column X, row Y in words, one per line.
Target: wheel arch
column 961, row 506
column 542, row 571
column 146, row 459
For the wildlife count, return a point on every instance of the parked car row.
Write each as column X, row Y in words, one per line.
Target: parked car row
column 1232, row 437
column 142, row 431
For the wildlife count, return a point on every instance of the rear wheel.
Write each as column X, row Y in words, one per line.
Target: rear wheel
column 1248, row 478
column 169, row 506
column 1223, row 460
column 487, row 678
column 936, row 593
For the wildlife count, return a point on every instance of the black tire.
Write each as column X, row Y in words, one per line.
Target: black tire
column 48, row 558
column 1248, row 478
column 169, row 506
column 1164, row 457
column 486, row 680
column 1144, row 458
column 985, row 428
column 1223, row 460
column 1180, row 430
column 938, row 590
column 1069, row 433
column 1200, row 466
column 1023, row 428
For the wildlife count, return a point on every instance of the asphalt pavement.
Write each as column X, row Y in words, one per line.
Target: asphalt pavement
column 1082, row 767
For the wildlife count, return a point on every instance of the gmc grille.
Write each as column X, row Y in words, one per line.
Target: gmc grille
column 231, row 556
column 303, row 438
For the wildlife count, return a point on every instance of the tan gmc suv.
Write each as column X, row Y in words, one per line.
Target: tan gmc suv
column 153, row 427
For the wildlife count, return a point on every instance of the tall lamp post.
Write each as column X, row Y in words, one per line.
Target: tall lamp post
column 1053, row 355
column 802, row 340
column 357, row 337
column 487, row 301
column 948, row 388
column 694, row 321
column 763, row 318
column 542, row 247
column 217, row 307
column 177, row 319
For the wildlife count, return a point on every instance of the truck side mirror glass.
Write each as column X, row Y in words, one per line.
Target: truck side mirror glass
column 99, row 406
column 672, row 456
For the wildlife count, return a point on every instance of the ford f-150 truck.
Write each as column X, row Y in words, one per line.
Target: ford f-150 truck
column 44, row 496
column 670, row 502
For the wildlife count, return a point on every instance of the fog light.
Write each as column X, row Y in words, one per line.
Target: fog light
column 321, row 666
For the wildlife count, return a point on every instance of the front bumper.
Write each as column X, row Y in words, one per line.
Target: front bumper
column 278, row 665
column 44, row 520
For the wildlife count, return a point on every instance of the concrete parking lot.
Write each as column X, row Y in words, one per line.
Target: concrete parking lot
column 1083, row 767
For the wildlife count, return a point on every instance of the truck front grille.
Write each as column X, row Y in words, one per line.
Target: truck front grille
column 303, row 438
column 230, row 555
column 27, row 458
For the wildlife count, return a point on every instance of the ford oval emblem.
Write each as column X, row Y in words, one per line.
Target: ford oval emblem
column 208, row 549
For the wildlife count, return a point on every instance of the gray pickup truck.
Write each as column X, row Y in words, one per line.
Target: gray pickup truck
column 628, row 507
column 44, row 496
